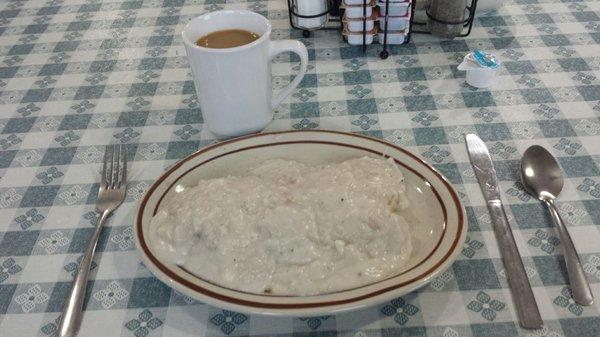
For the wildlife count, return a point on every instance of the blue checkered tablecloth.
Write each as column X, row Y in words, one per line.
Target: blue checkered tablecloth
column 76, row 75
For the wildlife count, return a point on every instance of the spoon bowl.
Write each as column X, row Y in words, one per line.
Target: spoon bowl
column 540, row 173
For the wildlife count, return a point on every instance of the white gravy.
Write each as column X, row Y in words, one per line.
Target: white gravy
column 286, row 228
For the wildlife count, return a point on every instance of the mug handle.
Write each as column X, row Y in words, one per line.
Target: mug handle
column 297, row 48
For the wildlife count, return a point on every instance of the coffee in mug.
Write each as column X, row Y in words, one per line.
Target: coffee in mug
column 232, row 74
column 227, row 38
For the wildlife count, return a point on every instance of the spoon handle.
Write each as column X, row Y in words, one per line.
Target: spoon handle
column 582, row 293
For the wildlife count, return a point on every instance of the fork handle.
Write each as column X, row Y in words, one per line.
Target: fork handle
column 72, row 311
column 582, row 294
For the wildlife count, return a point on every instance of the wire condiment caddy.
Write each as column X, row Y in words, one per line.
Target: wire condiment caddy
column 382, row 20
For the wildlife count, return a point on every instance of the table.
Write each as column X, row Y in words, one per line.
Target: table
column 77, row 75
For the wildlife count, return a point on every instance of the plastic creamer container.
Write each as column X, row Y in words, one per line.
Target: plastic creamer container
column 357, row 38
column 394, row 8
column 360, row 24
column 483, row 69
column 357, row 26
column 393, row 37
column 359, row 11
column 394, row 22
column 356, row 2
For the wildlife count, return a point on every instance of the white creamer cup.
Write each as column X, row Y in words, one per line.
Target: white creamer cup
column 478, row 76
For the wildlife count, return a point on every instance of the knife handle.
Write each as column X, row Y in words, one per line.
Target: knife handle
column 525, row 304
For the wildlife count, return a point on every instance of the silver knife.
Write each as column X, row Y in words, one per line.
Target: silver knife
column 527, row 309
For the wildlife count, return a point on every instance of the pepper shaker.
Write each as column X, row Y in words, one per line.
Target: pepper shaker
column 446, row 17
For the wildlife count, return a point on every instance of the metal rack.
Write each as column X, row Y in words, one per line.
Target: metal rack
column 335, row 14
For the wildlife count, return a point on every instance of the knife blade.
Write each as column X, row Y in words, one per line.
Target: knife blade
column 525, row 304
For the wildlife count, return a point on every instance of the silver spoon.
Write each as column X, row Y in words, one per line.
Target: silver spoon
column 543, row 178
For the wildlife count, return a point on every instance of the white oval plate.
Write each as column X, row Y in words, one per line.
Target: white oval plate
column 438, row 221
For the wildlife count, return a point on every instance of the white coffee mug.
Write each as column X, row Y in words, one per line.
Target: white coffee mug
column 234, row 84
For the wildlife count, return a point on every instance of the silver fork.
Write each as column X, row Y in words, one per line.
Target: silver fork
column 113, row 185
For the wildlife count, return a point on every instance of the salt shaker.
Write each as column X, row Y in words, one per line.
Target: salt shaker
column 308, row 8
column 446, row 17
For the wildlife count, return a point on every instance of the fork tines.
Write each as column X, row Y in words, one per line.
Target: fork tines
column 114, row 168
